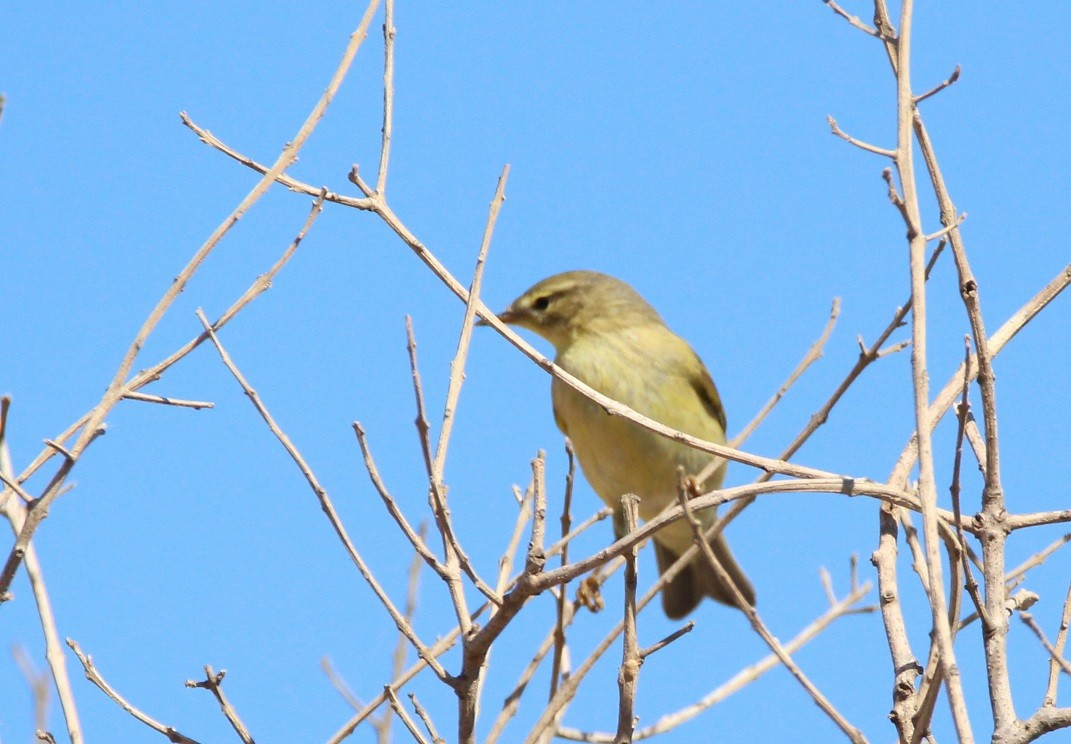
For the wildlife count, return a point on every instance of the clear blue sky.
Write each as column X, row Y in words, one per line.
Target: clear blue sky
column 683, row 149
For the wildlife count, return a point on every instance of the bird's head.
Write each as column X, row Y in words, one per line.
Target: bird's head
column 564, row 307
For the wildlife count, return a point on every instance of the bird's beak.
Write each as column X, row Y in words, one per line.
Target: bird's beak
column 506, row 316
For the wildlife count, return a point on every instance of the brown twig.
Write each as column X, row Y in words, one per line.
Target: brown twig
column 963, row 414
column 814, row 353
column 688, row 627
column 382, row 726
column 407, row 720
column 54, row 655
column 853, row 733
column 452, row 547
column 450, row 574
column 997, row 342
column 93, row 426
column 909, row 208
column 95, row 677
column 326, row 504
column 140, row 380
column 866, row 146
column 416, row 539
column 867, row 356
column 513, row 700
column 340, row 684
column 629, row 672
column 389, row 33
column 743, row 678
column 853, row 20
column 940, row 86
column 162, row 400
column 478, row 644
column 441, row 646
column 566, row 523
column 37, row 681
column 426, row 720
column 213, row 682
column 1055, row 656
column 38, row 510
column 1058, row 652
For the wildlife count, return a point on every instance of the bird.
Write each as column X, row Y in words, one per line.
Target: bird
column 608, row 336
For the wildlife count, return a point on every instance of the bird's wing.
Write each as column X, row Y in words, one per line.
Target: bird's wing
column 558, row 418
column 708, row 393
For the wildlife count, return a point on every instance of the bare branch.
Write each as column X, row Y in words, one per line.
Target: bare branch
column 146, row 398
column 340, row 684
column 426, row 720
column 441, row 646
column 683, row 630
column 95, row 677
column 410, row 724
column 940, row 86
column 327, row 505
column 629, row 671
column 838, row 132
column 814, row 353
column 213, row 682
column 388, row 95
column 566, row 523
column 853, row 734
column 1058, row 652
column 1055, row 657
column 853, row 20
column 740, row 680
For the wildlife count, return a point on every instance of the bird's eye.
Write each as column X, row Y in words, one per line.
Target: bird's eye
column 541, row 303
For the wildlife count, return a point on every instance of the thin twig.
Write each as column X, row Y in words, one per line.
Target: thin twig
column 1061, row 641
column 853, row 20
column 326, row 504
column 457, row 375
column 940, row 86
column 954, row 488
column 94, row 418
column 940, row 234
column 116, row 388
column 867, row 356
column 909, row 208
column 146, row 398
column 213, row 682
column 688, row 627
column 1037, row 559
column 441, row 646
column 340, row 684
column 37, row 681
column 629, row 671
column 566, row 523
column 388, row 95
column 426, row 720
column 450, row 574
column 743, row 678
column 383, row 726
column 814, row 353
column 95, row 677
column 38, row 510
column 838, row 132
column 54, row 654
column 1055, row 656
column 853, row 733
column 410, row 724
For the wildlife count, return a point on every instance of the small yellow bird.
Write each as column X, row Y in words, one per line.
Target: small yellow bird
column 608, row 336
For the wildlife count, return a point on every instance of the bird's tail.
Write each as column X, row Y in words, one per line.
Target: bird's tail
column 698, row 580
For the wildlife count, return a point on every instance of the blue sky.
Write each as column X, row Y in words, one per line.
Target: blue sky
column 684, row 149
